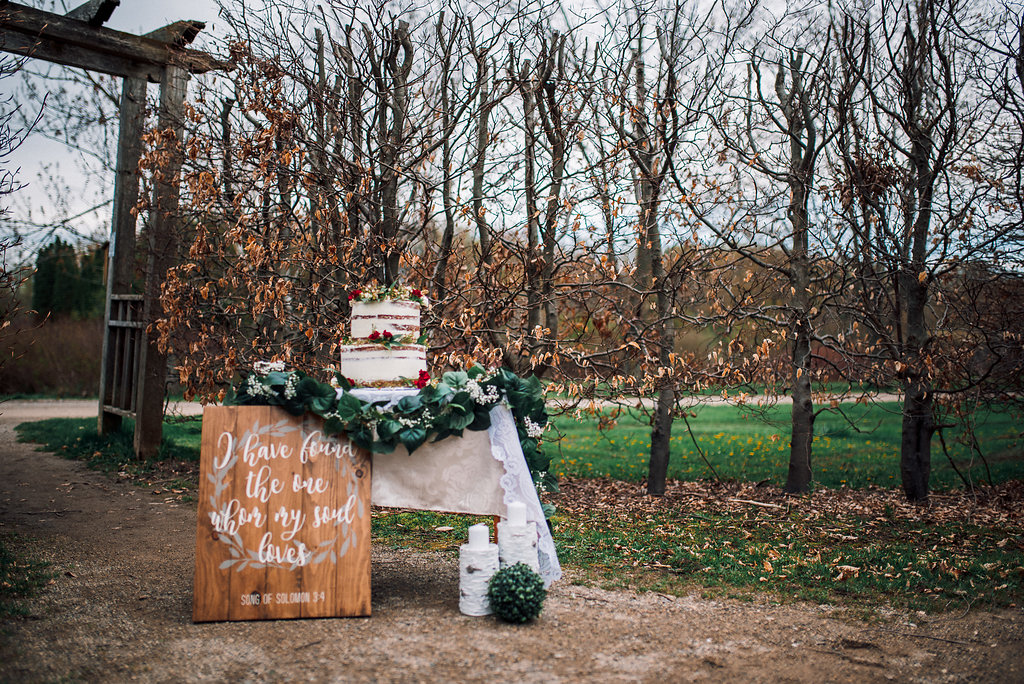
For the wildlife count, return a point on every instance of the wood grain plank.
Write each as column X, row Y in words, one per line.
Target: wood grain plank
column 284, row 519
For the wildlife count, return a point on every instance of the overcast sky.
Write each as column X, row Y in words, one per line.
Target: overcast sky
column 39, row 155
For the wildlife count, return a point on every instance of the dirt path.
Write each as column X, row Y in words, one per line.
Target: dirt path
column 119, row 609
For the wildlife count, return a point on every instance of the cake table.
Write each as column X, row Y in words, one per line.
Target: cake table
column 479, row 473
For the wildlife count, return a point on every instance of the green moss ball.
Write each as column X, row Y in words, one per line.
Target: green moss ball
column 516, row 593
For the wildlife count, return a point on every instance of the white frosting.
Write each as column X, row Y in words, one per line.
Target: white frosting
column 396, row 317
column 369, row 363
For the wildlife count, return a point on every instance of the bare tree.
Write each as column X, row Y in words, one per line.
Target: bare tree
column 661, row 78
column 778, row 132
column 912, row 117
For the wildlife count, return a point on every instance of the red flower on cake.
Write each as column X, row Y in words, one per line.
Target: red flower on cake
column 417, row 294
column 387, row 335
column 375, row 335
column 424, row 379
column 354, row 294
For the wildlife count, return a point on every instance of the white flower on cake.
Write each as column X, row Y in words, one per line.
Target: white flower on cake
column 379, row 293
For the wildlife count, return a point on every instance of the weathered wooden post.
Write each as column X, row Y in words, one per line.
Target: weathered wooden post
column 162, row 248
column 120, row 345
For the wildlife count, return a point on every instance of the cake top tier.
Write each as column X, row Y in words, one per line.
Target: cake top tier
column 401, row 318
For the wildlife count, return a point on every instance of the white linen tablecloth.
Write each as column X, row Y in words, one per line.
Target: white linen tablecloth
column 479, row 473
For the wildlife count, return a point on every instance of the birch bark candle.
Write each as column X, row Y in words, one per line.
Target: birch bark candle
column 517, row 539
column 478, row 561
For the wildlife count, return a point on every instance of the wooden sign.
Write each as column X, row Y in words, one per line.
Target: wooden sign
column 284, row 519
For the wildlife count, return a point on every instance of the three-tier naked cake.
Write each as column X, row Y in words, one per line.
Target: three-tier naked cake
column 383, row 351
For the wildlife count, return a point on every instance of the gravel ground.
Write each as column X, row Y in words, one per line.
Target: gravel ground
column 119, row 609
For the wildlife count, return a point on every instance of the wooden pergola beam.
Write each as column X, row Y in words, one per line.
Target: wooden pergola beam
column 179, row 34
column 73, row 42
column 95, row 12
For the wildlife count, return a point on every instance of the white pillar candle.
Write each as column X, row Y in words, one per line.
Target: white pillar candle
column 479, row 536
column 517, row 514
column 518, row 544
column 478, row 561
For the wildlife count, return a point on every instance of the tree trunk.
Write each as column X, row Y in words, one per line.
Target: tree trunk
column 798, row 480
column 664, row 334
column 528, row 91
column 918, row 425
column 480, row 163
column 391, row 161
column 440, row 277
column 554, row 129
column 915, row 447
column 661, row 438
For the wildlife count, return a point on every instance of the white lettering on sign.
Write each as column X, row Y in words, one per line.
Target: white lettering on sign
column 256, row 599
column 255, row 451
column 292, row 519
column 300, row 597
column 219, row 465
column 296, row 554
column 232, row 516
column 309, row 484
column 314, row 446
column 322, row 515
column 260, row 485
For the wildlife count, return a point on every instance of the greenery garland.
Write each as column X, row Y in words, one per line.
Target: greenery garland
column 461, row 400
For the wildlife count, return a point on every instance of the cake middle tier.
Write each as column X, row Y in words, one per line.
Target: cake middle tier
column 400, row 318
column 376, row 364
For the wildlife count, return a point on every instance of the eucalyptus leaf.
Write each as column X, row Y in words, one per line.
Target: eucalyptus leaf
column 481, row 419
column 409, row 404
column 320, row 405
column 462, row 402
column 387, row 429
column 349, row 407
column 459, row 422
column 412, row 438
column 333, row 426
column 455, row 379
column 276, row 378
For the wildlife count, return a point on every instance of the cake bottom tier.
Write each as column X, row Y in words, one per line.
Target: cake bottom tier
column 377, row 365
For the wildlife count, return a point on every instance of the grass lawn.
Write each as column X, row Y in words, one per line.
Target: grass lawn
column 859, row 450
